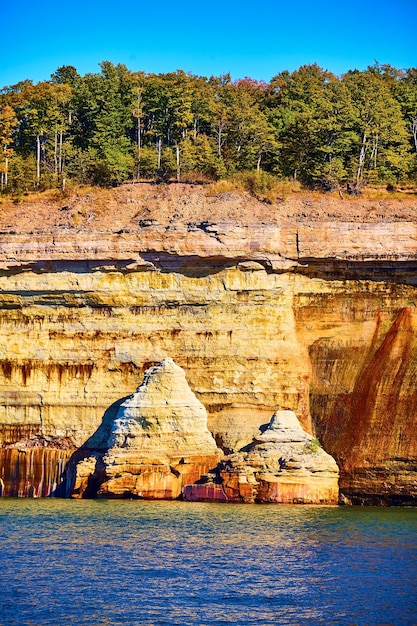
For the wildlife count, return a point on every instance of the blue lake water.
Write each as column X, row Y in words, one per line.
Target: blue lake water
column 172, row 563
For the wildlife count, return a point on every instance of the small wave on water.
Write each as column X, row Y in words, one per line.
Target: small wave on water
column 138, row 563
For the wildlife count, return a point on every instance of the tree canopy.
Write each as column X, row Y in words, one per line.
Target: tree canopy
column 108, row 127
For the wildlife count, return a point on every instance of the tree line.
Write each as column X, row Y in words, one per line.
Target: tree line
column 108, row 127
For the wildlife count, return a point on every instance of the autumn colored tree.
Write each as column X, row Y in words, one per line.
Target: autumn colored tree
column 8, row 122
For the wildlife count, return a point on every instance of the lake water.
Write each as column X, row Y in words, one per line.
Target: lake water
column 172, row 563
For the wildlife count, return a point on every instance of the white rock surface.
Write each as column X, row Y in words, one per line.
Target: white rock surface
column 284, row 427
column 163, row 415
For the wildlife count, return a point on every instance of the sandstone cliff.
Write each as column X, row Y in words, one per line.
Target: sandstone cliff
column 283, row 465
column 308, row 305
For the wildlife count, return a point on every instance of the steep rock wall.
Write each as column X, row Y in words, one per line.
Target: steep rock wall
column 318, row 318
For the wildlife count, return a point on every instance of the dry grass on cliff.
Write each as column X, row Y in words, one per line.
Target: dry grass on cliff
column 260, row 185
column 129, row 206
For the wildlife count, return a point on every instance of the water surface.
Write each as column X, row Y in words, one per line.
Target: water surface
column 172, row 563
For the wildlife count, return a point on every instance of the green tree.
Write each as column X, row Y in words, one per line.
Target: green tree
column 381, row 151
column 404, row 89
column 104, row 123
column 308, row 110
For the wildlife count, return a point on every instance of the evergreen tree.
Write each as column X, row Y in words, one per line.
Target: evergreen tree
column 109, row 126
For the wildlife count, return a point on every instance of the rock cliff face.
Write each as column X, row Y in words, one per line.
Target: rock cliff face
column 158, row 442
column 264, row 308
column 283, row 465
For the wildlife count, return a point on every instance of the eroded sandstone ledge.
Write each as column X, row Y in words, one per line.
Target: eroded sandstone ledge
column 266, row 308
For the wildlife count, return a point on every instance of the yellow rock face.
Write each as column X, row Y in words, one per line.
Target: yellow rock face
column 233, row 332
column 309, row 318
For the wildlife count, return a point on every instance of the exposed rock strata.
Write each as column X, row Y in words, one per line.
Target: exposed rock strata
column 263, row 307
column 283, row 465
column 158, row 442
column 371, row 426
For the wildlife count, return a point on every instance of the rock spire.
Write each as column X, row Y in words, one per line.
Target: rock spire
column 158, row 442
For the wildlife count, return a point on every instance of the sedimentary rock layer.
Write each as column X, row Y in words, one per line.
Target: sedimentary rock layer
column 317, row 317
column 157, row 443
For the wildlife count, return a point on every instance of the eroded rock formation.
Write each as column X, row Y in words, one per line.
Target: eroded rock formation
column 370, row 427
column 158, row 442
column 309, row 305
column 283, row 465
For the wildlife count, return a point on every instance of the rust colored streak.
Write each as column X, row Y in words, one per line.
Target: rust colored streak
column 376, row 396
column 31, row 472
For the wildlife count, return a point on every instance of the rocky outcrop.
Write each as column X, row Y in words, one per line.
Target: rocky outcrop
column 283, row 465
column 308, row 304
column 30, row 470
column 157, row 443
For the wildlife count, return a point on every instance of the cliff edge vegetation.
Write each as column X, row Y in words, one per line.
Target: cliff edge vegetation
column 310, row 125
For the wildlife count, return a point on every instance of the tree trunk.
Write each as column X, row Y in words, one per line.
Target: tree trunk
column 414, row 130
column 38, row 158
column 4, row 175
column 158, row 144
column 139, row 144
column 361, row 163
column 60, row 168
column 258, row 163
column 42, row 144
column 177, row 152
column 374, row 152
column 56, row 151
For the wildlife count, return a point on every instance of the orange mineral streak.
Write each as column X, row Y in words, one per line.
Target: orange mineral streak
column 379, row 413
column 156, row 481
column 371, row 431
column 31, row 472
column 379, row 418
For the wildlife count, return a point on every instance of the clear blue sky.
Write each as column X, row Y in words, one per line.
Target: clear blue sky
column 256, row 39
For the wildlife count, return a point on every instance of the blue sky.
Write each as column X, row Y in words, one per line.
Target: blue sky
column 256, row 39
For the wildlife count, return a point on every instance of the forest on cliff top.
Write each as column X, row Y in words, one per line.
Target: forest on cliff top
column 117, row 125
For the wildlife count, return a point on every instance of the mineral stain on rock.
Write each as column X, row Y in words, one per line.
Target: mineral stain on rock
column 307, row 305
column 158, row 446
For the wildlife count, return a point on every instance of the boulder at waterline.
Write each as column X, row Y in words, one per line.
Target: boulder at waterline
column 283, row 465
